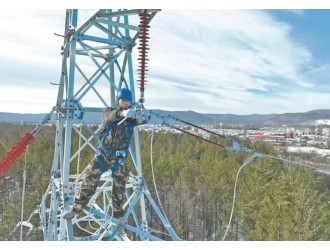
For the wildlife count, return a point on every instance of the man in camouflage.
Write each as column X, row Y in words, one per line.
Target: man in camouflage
column 117, row 140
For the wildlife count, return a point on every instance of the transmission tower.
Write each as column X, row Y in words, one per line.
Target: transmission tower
column 96, row 63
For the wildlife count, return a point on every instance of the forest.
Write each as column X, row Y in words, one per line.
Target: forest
column 275, row 201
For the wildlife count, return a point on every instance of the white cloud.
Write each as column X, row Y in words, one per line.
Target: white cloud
column 214, row 61
column 24, row 99
column 163, row 4
column 228, row 53
column 29, row 35
column 296, row 12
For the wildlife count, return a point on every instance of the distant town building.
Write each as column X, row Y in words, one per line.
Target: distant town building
column 288, row 134
column 307, row 131
column 325, row 131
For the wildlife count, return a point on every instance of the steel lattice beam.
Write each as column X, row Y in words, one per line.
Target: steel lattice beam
column 96, row 62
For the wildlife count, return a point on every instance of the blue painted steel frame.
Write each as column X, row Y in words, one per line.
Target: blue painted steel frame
column 69, row 110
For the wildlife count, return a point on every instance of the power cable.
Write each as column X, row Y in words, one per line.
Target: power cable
column 153, row 173
column 23, row 194
column 236, row 147
column 247, row 162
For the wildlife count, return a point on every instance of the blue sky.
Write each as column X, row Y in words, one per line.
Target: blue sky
column 210, row 61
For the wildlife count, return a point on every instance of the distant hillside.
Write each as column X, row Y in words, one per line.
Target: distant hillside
column 189, row 116
column 307, row 118
column 20, row 118
column 36, row 118
column 240, row 119
column 209, row 119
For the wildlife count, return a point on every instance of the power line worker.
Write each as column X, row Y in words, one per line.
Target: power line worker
column 115, row 136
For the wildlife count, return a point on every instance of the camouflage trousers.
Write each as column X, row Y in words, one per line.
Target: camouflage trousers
column 90, row 183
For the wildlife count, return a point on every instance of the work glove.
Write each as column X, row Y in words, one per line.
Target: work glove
column 128, row 113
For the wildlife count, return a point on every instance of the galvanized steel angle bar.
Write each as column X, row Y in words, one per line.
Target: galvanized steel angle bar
column 89, row 51
column 43, row 216
column 102, row 73
column 122, row 71
column 84, row 37
column 118, row 13
column 117, row 24
column 93, row 133
column 115, row 221
column 88, row 82
column 87, row 142
column 163, row 219
column 111, row 34
column 87, row 24
column 135, row 198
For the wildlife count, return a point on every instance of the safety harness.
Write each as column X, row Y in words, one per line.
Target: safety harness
column 109, row 152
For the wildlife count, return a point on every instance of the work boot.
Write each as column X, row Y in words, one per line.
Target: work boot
column 69, row 215
column 76, row 211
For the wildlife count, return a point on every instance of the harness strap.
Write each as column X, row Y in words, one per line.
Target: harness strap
column 107, row 130
column 113, row 152
column 123, row 153
column 119, row 164
column 100, row 162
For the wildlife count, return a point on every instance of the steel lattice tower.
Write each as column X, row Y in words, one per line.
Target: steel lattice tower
column 96, row 63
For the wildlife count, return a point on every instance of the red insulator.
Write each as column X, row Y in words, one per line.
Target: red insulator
column 15, row 152
column 143, row 48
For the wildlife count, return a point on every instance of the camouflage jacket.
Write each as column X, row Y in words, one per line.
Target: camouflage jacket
column 117, row 139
